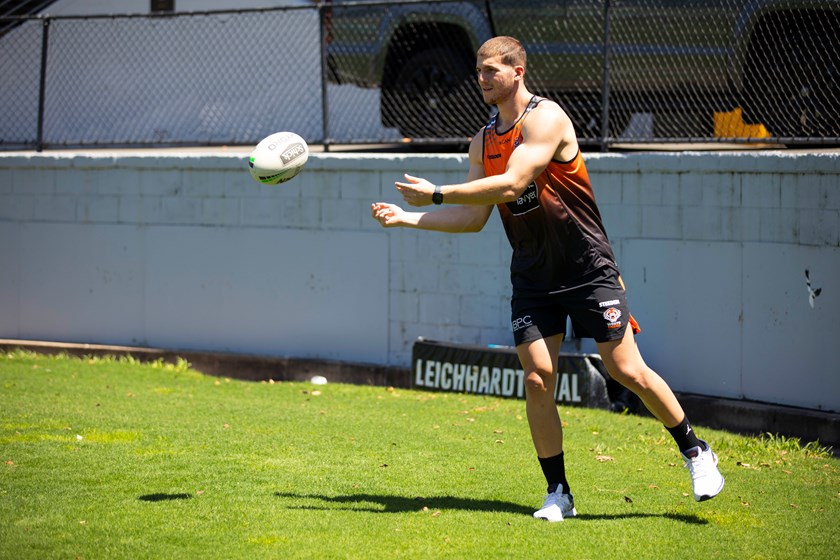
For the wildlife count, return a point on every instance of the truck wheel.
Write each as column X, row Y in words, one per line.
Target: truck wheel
column 792, row 76
column 435, row 95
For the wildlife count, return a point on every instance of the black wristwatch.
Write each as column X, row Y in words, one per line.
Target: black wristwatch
column 437, row 197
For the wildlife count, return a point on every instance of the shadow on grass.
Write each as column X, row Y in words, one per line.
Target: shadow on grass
column 402, row 504
column 681, row 517
column 160, row 497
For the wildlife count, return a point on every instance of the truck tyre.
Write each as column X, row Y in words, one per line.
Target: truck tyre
column 792, row 76
column 435, row 95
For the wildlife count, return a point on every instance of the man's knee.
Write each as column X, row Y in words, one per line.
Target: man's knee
column 536, row 382
column 635, row 379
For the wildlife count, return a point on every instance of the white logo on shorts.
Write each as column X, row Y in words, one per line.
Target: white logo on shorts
column 612, row 315
column 521, row 323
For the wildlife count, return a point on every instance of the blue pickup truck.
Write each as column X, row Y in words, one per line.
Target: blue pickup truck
column 778, row 60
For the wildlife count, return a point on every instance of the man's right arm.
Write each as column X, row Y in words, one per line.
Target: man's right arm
column 452, row 219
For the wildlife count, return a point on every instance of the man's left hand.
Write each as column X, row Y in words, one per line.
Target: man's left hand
column 416, row 191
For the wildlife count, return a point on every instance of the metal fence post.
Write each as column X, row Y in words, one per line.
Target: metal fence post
column 489, row 13
column 605, row 86
column 42, row 86
column 325, row 109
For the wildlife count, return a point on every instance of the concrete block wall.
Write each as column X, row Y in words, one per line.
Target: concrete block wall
column 181, row 249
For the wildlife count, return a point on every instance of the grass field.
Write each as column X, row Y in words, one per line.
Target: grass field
column 106, row 458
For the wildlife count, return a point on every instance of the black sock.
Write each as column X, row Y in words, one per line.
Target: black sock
column 554, row 469
column 684, row 436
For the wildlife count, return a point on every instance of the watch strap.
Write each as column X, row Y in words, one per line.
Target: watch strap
column 437, row 197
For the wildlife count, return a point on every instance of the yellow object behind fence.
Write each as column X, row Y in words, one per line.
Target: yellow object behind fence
column 732, row 125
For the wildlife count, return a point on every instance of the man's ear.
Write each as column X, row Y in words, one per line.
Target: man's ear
column 520, row 71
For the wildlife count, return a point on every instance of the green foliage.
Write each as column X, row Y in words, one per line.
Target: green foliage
column 111, row 458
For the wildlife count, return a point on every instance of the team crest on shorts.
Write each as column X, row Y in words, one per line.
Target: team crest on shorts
column 612, row 315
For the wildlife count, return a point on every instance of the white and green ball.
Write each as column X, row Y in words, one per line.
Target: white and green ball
column 278, row 158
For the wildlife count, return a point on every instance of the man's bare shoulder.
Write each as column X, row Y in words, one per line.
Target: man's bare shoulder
column 548, row 110
column 549, row 123
column 476, row 150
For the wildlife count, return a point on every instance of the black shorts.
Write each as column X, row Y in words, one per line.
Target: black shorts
column 597, row 306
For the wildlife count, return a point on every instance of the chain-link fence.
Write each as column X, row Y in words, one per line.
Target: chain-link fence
column 221, row 78
column 626, row 71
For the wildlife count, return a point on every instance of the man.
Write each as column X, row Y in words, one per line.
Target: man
column 526, row 162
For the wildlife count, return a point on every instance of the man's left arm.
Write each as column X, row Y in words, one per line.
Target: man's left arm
column 542, row 137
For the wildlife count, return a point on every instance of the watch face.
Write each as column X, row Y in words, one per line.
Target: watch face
column 437, row 197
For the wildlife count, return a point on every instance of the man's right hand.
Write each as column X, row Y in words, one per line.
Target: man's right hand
column 388, row 215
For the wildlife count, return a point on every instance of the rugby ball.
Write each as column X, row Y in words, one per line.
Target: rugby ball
column 278, row 158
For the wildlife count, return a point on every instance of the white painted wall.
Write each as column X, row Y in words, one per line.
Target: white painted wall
column 183, row 250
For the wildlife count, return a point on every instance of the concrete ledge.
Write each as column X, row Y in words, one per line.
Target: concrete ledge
column 739, row 416
column 753, row 418
column 236, row 366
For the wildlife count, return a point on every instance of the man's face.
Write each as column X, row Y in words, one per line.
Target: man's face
column 497, row 80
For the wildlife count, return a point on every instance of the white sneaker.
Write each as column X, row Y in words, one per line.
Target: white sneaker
column 705, row 477
column 557, row 506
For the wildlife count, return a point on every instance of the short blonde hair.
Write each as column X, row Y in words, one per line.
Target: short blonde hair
column 509, row 48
